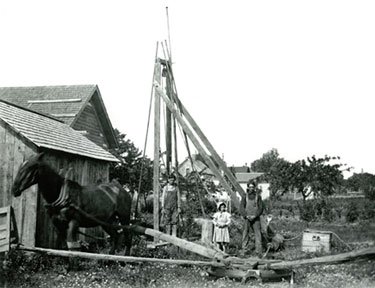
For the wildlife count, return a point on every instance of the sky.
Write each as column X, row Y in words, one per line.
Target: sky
column 297, row 76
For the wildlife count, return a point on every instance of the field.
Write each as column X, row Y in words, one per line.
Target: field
column 41, row 271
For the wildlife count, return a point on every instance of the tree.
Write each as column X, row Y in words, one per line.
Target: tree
column 265, row 163
column 279, row 178
column 316, row 176
column 276, row 171
column 129, row 169
column 360, row 181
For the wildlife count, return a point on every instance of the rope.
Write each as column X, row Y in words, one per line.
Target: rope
column 342, row 241
column 293, row 238
column 145, row 144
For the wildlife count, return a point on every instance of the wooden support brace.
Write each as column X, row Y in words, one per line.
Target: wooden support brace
column 196, row 143
column 212, row 150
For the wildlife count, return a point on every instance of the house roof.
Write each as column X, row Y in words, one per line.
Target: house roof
column 245, row 177
column 240, row 169
column 62, row 102
column 46, row 132
column 199, row 165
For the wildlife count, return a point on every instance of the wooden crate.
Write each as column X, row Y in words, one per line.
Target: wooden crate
column 316, row 241
column 4, row 229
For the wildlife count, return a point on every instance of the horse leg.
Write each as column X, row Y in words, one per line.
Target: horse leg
column 128, row 242
column 72, row 237
column 61, row 227
column 72, row 242
column 125, row 233
column 114, row 236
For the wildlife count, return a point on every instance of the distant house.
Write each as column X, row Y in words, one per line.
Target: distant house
column 240, row 169
column 79, row 106
column 24, row 133
column 244, row 178
column 185, row 168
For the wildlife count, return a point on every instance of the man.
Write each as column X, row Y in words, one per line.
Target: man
column 251, row 209
column 169, row 206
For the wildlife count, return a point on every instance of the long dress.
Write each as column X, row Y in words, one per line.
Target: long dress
column 221, row 234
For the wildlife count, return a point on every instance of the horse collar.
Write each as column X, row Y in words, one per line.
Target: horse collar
column 63, row 199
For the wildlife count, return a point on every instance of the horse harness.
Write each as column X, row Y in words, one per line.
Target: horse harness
column 66, row 204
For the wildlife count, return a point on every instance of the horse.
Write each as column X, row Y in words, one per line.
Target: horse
column 71, row 205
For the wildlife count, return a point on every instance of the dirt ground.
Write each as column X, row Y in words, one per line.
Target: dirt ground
column 44, row 271
column 150, row 275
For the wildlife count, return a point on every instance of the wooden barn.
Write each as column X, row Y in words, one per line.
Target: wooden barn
column 24, row 133
column 79, row 106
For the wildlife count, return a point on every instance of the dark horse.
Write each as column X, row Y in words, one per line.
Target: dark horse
column 72, row 206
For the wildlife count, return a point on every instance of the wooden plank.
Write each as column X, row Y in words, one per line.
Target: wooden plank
column 3, row 210
column 182, row 243
column 5, row 233
column 128, row 259
column 196, row 143
column 156, row 172
column 367, row 253
column 70, row 100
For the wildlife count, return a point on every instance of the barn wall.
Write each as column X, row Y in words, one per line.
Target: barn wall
column 13, row 151
column 88, row 121
column 85, row 171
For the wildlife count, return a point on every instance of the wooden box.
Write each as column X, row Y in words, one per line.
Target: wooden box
column 316, row 241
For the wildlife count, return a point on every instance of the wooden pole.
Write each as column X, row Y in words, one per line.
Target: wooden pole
column 196, row 143
column 127, row 259
column 367, row 253
column 156, row 184
column 168, row 132
column 182, row 243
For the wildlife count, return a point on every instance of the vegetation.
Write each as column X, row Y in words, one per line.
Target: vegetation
column 43, row 271
column 128, row 171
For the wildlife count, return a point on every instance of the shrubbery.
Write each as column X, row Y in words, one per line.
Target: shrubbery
column 327, row 210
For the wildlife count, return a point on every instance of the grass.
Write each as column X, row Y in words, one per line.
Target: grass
column 40, row 271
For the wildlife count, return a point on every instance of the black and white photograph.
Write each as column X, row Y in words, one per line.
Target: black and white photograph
column 160, row 143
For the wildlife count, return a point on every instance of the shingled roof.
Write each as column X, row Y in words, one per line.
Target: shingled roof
column 46, row 132
column 246, row 177
column 64, row 102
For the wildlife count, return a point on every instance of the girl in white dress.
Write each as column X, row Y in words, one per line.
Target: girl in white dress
column 221, row 220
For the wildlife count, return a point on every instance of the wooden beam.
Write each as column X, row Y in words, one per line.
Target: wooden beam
column 212, row 150
column 71, row 100
column 168, row 132
column 156, row 184
column 196, row 143
column 63, row 115
column 107, row 257
column 182, row 243
column 367, row 253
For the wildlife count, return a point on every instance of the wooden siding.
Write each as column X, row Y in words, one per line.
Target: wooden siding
column 13, row 151
column 88, row 121
column 33, row 224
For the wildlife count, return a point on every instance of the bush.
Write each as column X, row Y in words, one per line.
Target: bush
column 307, row 210
column 368, row 211
column 352, row 213
column 370, row 192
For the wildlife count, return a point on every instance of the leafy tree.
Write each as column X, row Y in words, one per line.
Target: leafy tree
column 276, row 171
column 279, row 178
column 265, row 163
column 317, row 176
column 129, row 169
column 360, row 182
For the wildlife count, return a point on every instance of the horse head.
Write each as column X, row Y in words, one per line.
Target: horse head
column 27, row 174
